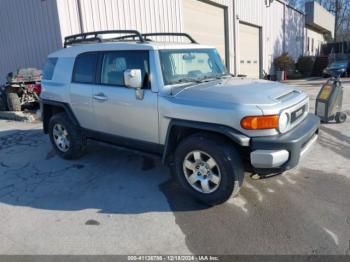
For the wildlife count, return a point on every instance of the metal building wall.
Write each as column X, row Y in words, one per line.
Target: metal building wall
column 277, row 35
column 29, row 31
column 44, row 23
column 142, row 15
column 294, row 34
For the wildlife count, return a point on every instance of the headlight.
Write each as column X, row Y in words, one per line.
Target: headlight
column 283, row 122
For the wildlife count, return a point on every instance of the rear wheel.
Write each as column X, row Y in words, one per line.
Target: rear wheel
column 208, row 168
column 2, row 103
column 340, row 117
column 66, row 138
column 13, row 101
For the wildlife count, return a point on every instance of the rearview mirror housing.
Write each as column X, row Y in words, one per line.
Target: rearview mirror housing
column 133, row 78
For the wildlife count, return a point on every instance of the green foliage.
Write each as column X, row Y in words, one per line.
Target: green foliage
column 305, row 65
column 283, row 62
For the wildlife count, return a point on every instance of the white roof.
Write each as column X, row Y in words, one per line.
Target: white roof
column 77, row 49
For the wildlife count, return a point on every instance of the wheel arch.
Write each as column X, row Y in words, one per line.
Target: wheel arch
column 180, row 129
column 50, row 108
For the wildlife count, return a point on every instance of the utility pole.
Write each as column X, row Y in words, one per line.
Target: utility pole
column 336, row 11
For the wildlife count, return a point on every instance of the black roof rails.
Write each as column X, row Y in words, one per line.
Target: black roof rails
column 94, row 37
column 170, row 34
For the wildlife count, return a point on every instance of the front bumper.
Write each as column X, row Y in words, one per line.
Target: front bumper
column 283, row 152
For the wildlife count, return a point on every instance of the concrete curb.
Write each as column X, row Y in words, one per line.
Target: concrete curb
column 20, row 116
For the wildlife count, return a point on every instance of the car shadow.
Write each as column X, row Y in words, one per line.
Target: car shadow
column 335, row 140
column 108, row 179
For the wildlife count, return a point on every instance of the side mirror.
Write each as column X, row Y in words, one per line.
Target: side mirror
column 133, row 79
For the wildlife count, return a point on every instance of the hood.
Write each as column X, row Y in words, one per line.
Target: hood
column 237, row 91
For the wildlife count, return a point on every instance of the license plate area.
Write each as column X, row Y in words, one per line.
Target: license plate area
column 295, row 115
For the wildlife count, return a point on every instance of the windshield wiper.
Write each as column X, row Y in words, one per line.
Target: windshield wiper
column 189, row 80
column 212, row 78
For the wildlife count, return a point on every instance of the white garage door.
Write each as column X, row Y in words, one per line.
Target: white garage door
column 206, row 24
column 249, row 50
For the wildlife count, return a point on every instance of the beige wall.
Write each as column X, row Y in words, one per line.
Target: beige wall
column 313, row 42
column 282, row 29
column 319, row 17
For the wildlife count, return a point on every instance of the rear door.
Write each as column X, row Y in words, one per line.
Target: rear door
column 81, row 89
column 118, row 112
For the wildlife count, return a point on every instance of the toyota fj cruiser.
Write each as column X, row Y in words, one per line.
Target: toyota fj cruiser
column 178, row 101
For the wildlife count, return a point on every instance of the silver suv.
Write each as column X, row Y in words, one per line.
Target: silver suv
column 177, row 101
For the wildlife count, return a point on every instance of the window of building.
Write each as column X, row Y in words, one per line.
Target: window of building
column 49, row 68
column 115, row 63
column 85, row 68
column 308, row 44
column 312, row 45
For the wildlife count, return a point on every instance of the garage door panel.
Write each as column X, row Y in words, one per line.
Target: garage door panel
column 206, row 23
column 249, row 50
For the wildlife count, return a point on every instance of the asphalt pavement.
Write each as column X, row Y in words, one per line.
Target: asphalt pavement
column 116, row 202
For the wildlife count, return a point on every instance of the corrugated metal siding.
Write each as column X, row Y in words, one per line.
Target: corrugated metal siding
column 29, row 31
column 44, row 23
column 271, row 21
column 295, row 23
column 145, row 16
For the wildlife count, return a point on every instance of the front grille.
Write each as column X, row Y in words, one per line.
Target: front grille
column 295, row 115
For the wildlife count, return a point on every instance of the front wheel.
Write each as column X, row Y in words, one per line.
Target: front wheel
column 2, row 103
column 208, row 168
column 13, row 101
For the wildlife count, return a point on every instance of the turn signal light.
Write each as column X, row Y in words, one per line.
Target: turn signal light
column 260, row 122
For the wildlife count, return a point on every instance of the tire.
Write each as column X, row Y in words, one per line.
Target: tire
column 340, row 117
column 229, row 168
column 13, row 101
column 2, row 104
column 61, row 130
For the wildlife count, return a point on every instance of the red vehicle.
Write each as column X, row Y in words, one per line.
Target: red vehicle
column 22, row 90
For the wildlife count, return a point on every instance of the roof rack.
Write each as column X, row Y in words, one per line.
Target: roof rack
column 92, row 37
column 169, row 34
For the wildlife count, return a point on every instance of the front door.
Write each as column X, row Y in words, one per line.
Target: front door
column 118, row 112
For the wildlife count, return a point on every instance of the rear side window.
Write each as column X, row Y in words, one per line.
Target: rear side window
column 49, row 68
column 85, row 68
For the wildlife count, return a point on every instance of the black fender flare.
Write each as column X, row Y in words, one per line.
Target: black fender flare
column 229, row 132
column 65, row 106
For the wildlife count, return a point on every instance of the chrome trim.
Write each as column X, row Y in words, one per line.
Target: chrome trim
column 291, row 109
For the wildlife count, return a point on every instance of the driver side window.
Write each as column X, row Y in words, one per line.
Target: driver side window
column 115, row 63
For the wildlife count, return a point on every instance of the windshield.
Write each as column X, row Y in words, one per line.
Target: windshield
column 184, row 66
column 337, row 64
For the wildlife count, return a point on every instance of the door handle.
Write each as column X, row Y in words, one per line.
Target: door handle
column 100, row 97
